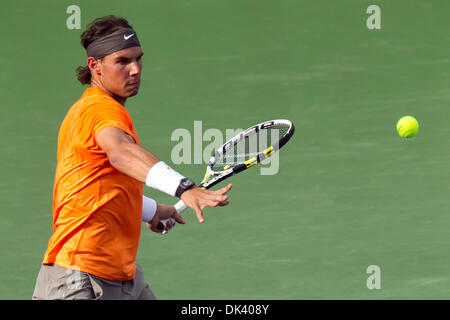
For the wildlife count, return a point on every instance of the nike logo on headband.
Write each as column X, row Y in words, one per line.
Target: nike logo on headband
column 128, row 37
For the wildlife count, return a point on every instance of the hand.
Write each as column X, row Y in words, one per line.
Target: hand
column 164, row 211
column 197, row 199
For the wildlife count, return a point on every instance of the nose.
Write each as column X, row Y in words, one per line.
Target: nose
column 136, row 68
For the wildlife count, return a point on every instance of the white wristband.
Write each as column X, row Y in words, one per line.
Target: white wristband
column 163, row 178
column 149, row 207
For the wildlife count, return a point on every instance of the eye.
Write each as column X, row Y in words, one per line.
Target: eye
column 122, row 61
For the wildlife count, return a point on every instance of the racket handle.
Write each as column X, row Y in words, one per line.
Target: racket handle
column 180, row 206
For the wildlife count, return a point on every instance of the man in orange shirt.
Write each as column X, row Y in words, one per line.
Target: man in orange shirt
column 98, row 201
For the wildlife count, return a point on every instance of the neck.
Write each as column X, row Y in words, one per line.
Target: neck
column 96, row 84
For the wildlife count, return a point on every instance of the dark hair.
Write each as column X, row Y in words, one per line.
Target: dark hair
column 98, row 28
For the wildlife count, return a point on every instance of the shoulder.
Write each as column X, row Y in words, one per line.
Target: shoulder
column 95, row 103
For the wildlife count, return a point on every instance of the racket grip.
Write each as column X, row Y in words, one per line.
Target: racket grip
column 180, row 206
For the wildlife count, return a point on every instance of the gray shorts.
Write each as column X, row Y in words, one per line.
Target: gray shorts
column 56, row 283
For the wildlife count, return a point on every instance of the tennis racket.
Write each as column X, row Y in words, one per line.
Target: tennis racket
column 241, row 152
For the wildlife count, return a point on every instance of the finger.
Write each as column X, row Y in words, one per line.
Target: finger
column 219, row 202
column 220, row 199
column 178, row 218
column 223, row 204
column 157, row 228
column 223, row 190
column 217, row 195
column 155, row 225
column 211, row 203
column 199, row 213
column 215, row 200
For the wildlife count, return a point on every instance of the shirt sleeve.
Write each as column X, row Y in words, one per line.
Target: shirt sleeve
column 98, row 116
column 111, row 115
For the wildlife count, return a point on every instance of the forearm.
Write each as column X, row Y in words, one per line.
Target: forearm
column 133, row 160
column 143, row 166
column 138, row 163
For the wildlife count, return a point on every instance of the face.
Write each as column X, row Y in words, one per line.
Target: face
column 120, row 72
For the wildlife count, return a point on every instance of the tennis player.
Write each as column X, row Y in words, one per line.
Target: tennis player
column 98, row 201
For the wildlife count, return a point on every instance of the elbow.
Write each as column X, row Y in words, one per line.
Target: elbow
column 118, row 159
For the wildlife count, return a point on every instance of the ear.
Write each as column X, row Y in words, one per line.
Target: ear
column 94, row 66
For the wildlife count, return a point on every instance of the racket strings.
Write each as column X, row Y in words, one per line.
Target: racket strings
column 249, row 147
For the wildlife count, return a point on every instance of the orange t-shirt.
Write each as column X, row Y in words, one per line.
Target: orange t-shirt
column 97, row 210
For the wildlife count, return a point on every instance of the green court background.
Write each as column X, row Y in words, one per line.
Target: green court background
column 349, row 193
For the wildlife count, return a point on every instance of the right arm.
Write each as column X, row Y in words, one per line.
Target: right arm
column 133, row 160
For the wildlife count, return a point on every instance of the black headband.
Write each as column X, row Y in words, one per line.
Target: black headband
column 118, row 40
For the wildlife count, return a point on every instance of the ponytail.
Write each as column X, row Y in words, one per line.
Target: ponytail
column 84, row 75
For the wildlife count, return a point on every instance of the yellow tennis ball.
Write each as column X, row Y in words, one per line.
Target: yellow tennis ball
column 407, row 127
